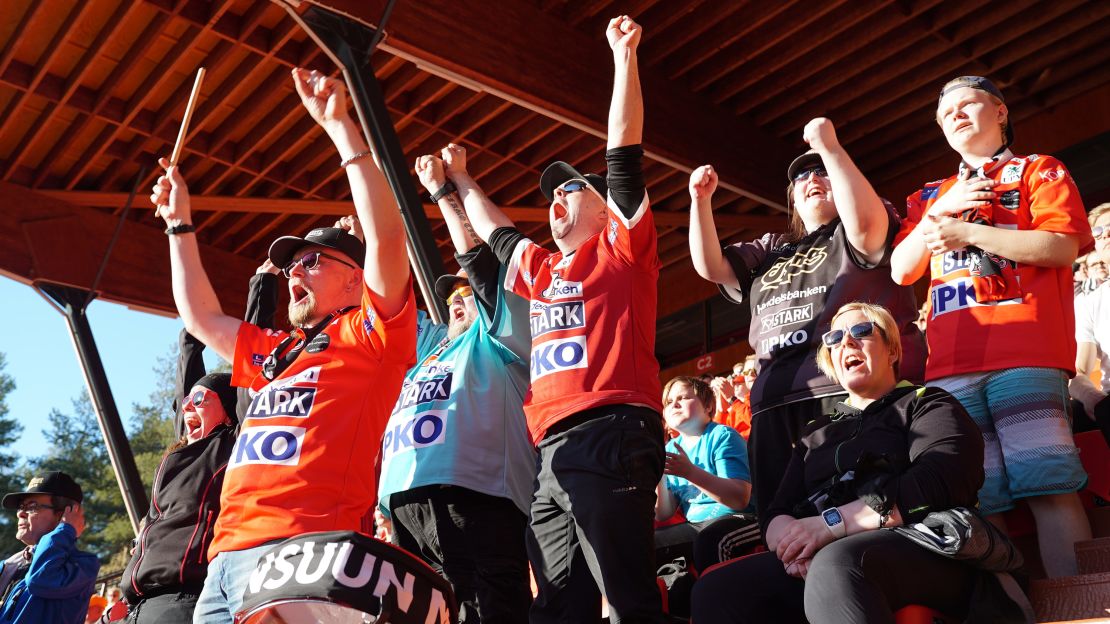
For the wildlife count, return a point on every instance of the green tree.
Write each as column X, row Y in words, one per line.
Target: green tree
column 12, row 476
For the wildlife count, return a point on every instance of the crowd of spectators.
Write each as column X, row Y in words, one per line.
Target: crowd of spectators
column 530, row 430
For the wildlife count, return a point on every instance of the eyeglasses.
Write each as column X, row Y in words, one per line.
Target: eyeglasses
column 310, row 261
column 1101, row 231
column 835, row 338
column 461, row 291
column 31, row 507
column 199, row 397
column 748, row 372
column 573, row 186
column 802, row 175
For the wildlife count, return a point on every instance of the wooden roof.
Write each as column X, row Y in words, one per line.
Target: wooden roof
column 92, row 90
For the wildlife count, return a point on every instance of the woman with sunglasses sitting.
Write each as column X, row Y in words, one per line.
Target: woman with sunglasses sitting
column 836, row 251
column 169, row 563
column 887, row 456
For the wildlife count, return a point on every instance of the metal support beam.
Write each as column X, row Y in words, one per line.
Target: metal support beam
column 349, row 44
column 72, row 303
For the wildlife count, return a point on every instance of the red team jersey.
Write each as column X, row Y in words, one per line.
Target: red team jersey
column 1036, row 328
column 304, row 458
column 592, row 314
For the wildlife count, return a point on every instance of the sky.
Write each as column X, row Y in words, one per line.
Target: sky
column 40, row 357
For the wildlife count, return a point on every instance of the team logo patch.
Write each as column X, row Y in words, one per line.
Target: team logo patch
column 558, row 355
column 786, row 268
column 319, row 343
column 1010, row 200
column 546, row 318
column 1012, row 173
column 562, row 289
column 257, row 359
column 273, row 446
column 425, row 391
column 1053, row 175
column 929, row 192
column 416, row 431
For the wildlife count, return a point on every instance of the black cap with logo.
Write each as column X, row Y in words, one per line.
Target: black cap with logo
column 54, row 483
column 559, row 172
column 282, row 250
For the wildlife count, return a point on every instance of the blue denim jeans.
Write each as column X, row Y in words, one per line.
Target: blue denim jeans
column 227, row 580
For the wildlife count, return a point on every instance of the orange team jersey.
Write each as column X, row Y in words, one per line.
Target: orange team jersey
column 304, row 458
column 592, row 316
column 737, row 415
column 1034, row 328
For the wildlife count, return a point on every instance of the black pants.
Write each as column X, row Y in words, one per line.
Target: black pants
column 709, row 542
column 164, row 609
column 475, row 541
column 774, row 432
column 593, row 516
column 860, row 579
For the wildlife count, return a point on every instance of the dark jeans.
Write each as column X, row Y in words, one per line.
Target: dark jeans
column 771, row 443
column 862, row 579
column 475, row 541
column 164, row 609
column 593, row 516
column 709, row 542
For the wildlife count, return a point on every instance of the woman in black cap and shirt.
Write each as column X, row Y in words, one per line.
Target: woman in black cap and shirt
column 170, row 561
column 834, row 252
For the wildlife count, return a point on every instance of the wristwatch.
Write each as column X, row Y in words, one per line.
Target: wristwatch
column 834, row 522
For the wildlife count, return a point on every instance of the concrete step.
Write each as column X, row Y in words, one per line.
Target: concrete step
column 1086, row 596
column 1093, row 556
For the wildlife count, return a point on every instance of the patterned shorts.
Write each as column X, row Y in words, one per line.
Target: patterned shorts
column 1024, row 416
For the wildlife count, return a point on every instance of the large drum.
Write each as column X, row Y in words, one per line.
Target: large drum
column 343, row 577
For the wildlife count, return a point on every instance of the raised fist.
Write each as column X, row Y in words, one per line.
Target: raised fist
column 430, row 171
column 820, row 134
column 703, row 182
column 351, row 224
column 623, row 33
column 170, row 195
column 454, row 159
column 325, row 98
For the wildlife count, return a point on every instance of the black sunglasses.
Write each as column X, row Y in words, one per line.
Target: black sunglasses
column 573, row 186
column 835, row 337
column 802, row 175
column 310, row 261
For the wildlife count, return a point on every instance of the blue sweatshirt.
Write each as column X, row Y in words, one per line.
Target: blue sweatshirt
column 58, row 583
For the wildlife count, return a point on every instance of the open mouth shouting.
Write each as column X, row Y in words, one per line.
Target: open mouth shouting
column 297, row 293
column 851, row 361
column 193, row 425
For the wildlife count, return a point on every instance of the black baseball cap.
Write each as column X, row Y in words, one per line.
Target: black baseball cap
column 983, row 84
column 806, row 161
column 54, row 483
column 445, row 284
column 282, row 250
column 559, row 172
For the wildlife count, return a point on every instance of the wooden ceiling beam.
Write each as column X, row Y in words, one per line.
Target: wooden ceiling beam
column 572, row 83
column 18, row 33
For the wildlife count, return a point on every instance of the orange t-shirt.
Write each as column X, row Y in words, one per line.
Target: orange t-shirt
column 1035, row 328
column 304, row 458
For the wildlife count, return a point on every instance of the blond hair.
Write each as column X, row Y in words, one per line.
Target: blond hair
column 1097, row 212
column 701, row 390
column 883, row 321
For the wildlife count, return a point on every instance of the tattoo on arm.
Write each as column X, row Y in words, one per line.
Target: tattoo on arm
column 452, row 200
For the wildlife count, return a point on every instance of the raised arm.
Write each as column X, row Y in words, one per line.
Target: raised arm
column 865, row 219
column 386, row 267
column 483, row 214
column 432, row 175
column 192, row 292
column 705, row 247
column 626, row 110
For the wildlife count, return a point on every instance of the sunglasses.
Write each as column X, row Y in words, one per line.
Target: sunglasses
column 310, row 261
column 461, row 291
column 1101, row 231
column 199, row 397
column 802, row 175
column 573, row 186
column 31, row 507
column 835, row 338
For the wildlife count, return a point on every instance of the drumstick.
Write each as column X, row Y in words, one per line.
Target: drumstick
column 189, row 108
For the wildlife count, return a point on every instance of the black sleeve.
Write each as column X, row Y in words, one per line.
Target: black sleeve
column 626, row 177
column 792, row 489
column 190, row 368
column 483, row 268
column 503, row 241
column 946, row 455
column 262, row 300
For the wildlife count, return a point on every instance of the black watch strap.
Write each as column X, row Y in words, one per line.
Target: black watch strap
column 444, row 191
column 183, row 228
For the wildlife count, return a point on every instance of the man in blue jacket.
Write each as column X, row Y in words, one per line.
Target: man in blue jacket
column 59, row 579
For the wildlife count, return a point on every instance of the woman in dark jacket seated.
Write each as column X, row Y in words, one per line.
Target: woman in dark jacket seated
column 889, row 455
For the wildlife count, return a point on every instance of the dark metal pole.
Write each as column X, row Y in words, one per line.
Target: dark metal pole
column 349, row 44
column 72, row 302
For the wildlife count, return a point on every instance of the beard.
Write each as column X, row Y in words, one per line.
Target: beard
column 456, row 328
column 303, row 311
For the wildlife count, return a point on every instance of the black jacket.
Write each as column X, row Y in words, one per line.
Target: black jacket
column 172, row 550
